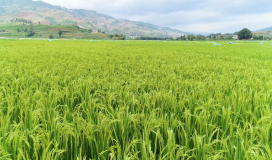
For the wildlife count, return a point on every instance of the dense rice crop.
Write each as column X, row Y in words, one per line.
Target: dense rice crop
column 134, row 100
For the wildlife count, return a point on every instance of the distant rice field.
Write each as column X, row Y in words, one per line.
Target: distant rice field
column 106, row 100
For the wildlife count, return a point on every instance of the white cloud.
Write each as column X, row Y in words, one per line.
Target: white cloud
column 251, row 21
column 187, row 15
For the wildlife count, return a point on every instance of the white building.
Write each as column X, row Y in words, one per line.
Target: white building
column 235, row 37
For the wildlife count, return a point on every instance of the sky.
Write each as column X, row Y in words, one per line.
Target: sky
column 197, row 16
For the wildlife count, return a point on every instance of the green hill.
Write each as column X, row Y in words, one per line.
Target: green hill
column 18, row 30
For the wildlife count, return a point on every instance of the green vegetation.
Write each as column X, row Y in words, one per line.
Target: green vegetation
column 117, row 37
column 266, row 35
column 70, row 100
column 245, row 34
column 18, row 30
column 60, row 33
column 195, row 37
column 30, row 32
column 258, row 37
column 51, row 36
column 219, row 36
column 24, row 21
column 153, row 38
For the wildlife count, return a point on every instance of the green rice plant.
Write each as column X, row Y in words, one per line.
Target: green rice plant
column 71, row 100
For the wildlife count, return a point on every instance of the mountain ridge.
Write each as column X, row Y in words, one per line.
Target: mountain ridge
column 44, row 13
column 265, row 29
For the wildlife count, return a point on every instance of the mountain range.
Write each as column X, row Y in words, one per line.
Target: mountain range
column 44, row 13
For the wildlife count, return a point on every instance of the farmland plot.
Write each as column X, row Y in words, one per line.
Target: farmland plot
column 134, row 100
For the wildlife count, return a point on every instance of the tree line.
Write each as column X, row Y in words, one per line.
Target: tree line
column 29, row 32
column 117, row 36
column 154, row 38
column 242, row 34
column 21, row 20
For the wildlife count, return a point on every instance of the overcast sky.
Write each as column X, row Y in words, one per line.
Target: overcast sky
column 198, row 16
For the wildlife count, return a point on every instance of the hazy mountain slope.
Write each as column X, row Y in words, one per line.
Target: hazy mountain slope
column 265, row 29
column 38, row 11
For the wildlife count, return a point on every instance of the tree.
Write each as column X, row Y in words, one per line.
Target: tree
column 188, row 37
column 30, row 32
column 60, row 33
column 18, row 30
column 183, row 37
column 199, row 37
column 191, row 37
column 214, row 37
column 40, row 35
column 245, row 34
column 39, row 23
column 90, row 30
column 221, row 37
column 51, row 36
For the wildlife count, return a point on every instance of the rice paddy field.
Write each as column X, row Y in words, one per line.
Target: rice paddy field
column 106, row 100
